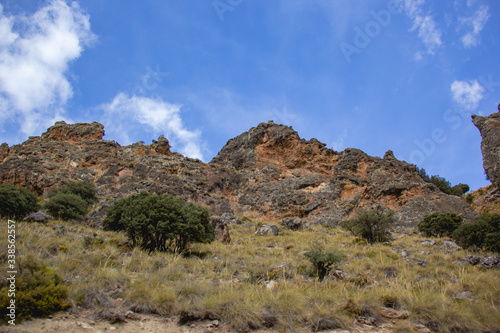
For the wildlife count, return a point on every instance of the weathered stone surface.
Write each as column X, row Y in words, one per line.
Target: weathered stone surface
column 473, row 260
column 267, row 230
column 268, row 173
column 428, row 243
column 293, row 223
column 449, row 246
column 220, row 225
column 394, row 314
column 326, row 324
column 40, row 217
column 74, row 132
column 222, row 233
column 420, row 262
column 490, row 262
column 464, row 295
column 226, row 218
column 490, row 145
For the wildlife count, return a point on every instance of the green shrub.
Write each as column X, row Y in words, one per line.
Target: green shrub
column 459, row 189
column 483, row 232
column 84, row 189
column 66, row 206
column 440, row 224
column 16, row 202
column 159, row 222
column 372, row 225
column 39, row 292
column 71, row 201
column 322, row 260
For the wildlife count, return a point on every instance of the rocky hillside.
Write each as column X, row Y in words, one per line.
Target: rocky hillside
column 267, row 173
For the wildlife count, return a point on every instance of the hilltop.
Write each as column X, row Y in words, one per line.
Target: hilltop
column 268, row 172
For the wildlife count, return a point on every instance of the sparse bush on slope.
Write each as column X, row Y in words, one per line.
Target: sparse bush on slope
column 39, row 291
column 16, row 202
column 372, row 225
column 323, row 260
column 159, row 222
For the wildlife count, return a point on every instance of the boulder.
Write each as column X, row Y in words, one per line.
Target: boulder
column 490, row 262
column 391, row 313
column 464, row 295
column 221, row 231
column 39, row 216
column 449, row 246
column 267, row 230
column 227, row 218
column 294, row 223
column 473, row 260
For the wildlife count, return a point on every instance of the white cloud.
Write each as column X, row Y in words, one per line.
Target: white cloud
column 427, row 28
column 124, row 113
column 35, row 52
column 467, row 94
column 474, row 24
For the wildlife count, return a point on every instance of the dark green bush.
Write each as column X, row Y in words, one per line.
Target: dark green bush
column 39, row 291
column 159, row 222
column 440, row 224
column 84, row 189
column 459, row 189
column 16, row 202
column 372, row 225
column 483, row 232
column 66, row 206
column 71, row 201
column 322, row 260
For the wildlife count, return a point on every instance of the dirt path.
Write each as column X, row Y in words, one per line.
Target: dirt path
column 84, row 323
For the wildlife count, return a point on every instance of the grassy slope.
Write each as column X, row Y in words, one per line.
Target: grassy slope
column 230, row 280
column 482, row 202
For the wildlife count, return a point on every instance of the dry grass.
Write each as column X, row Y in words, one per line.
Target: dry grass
column 230, row 282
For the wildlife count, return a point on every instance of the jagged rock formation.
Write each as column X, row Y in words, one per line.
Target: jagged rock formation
column 267, row 173
column 490, row 145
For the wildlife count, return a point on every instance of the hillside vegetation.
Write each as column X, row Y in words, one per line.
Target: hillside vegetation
column 268, row 281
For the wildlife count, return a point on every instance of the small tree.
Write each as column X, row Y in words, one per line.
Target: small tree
column 440, row 224
column 372, row 225
column 483, row 232
column 322, row 260
column 159, row 222
column 16, row 202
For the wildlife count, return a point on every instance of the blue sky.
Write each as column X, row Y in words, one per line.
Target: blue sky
column 403, row 75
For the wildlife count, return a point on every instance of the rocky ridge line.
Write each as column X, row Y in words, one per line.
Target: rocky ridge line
column 266, row 173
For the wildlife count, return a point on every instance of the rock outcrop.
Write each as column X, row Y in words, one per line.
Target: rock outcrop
column 490, row 145
column 267, row 173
